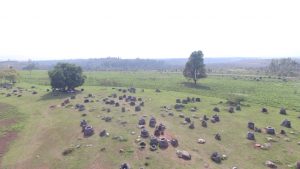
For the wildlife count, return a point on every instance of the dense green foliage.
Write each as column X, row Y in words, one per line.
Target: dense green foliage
column 195, row 68
column 284, row 67
column 66, row 76
column 11, row 75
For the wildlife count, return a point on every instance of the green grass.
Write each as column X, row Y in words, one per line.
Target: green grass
column 46, row 133
column 267, row 92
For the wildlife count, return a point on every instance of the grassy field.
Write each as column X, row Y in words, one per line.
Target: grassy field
column 44, row 133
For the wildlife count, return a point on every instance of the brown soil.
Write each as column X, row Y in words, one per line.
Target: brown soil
column 4, row 142
column 7, row 122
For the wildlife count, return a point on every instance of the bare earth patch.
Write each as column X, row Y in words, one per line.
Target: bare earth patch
column 4, row 142
column 7, row 122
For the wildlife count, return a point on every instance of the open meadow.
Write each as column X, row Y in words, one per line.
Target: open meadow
column 39, row 132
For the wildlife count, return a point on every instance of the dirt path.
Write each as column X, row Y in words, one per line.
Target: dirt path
column 7, row 137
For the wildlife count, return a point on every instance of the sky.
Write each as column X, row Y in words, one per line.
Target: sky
column 70, row 29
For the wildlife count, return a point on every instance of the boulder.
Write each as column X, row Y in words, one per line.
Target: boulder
column 238, row 108
column 88, row 131
column 152, row 122
column 178, row 101
column 174, row 142
column 192, row 126
column 201, row 141
column 270, row 164
column 251, row 125
column 163, row 143
column 216, row 157
column 142, row 121
column 250, row 136
column 124, row 166
column 187, row 119
column 264, row 110
column 231, row 110
column 198, row 99
column 282, row 111
column 270, row 130
column 153, row 141
column 184, row 154
column 137, row 108
column 216, row 118
column 144, row 133
column 103, row 133
column 298, row 165
column 286, row 123
column 204, row 123
column 184, row 101
column 218, row 137
column 216, row 109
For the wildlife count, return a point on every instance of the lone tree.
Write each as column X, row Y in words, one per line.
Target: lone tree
column 195, row 68
column 66, row 76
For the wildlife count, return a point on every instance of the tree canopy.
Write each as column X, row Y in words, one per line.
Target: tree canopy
column 9, row 74
column 284, row 67
column 195, row 67
column 66, row 76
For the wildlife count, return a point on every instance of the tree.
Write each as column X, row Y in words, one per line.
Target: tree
column 66, row 76
column 30, row 66
column 195, row 68
column 284, row 67
column 9, row 74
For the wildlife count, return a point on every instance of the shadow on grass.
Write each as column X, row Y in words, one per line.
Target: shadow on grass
column 195, row 86
column 57, row 95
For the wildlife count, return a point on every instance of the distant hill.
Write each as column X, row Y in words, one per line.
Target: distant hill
column 145, row 64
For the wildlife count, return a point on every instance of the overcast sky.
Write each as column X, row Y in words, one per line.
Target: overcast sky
column 64, row 29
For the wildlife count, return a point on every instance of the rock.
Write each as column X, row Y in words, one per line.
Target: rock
column 216, row 118
column 198, row 100
column 204, row 123
column 157, row 91
column 286, row 123
column 282, row 111
column 250, row 136
column 264, row 110
column 123, row 109
column 231, row 110
column 142, row 121
column 121, row 150
column 298, row 165
column 174, row 142
column 144, row 133
column 192, row 126
column 187, row 119
column 216, row 157
column 184, row 154
column 88, row 131
column 270, row 130
column 178, row 101
column 137, row 108
column 238, row 108
column 270, row 164
column 251, row 125
column 103, row 133
column 201, row 141
column 216, row 109
column 152, row 122
column 67, row 151
column 181, row 115
column 163, row 143
column 218, row 137
column 124, row 166
column 142, row 145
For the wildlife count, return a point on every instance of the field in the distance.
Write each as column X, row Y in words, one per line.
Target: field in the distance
column 44, row 133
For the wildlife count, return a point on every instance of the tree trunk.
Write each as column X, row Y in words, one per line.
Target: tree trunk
column 195, row 76
column 195, row 81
